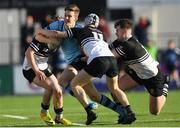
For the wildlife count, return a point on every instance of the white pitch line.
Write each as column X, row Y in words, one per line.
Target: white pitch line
column 77, row 124
column 16, row 117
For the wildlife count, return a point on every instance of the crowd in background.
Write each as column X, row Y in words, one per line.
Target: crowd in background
column 169, row 57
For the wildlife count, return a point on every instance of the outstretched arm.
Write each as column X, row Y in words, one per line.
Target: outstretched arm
column 52, row 33
column 45, row 39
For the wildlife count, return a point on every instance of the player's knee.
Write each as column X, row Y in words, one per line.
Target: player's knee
column 57, row 92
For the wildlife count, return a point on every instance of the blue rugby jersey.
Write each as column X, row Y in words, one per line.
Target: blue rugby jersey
column 70, row 46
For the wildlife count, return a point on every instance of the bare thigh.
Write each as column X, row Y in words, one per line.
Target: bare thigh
column 67, row 75
column 81, row 79
column 125, row 82
column 49, row 83
column 46, row 84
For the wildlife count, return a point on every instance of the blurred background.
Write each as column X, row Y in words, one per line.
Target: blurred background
column 156, row 25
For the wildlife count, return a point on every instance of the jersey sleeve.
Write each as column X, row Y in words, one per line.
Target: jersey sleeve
column 56, row 25
column 117, row 47
column 34, row 45
column 111, row 46
column 74, row 32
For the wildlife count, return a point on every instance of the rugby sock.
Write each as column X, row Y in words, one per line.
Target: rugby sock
column 59, row 112
column 44, row 107
column 88, row 109
column 105, row 101
column 68, row 89
column 128, row 109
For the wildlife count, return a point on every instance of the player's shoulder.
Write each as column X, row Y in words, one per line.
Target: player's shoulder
column 56, row 24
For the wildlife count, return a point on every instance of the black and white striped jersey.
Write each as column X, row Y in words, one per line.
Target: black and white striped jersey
column 43, row 49
column 42, row 52
column 91, row 40
column 136, row 57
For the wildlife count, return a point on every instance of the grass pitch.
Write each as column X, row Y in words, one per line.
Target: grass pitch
column 23, row 111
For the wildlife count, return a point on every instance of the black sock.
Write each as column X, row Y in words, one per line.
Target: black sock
column 128, row 109
column 69, row 90
column 45, row 107
column 88, row 109
column 58, row 111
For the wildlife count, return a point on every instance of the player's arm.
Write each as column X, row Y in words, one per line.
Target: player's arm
column 115, row 53
column 113, row 50
column 41, row 38
column 52, row 33
column 31, row 60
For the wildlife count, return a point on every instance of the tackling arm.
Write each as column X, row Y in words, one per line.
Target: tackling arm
column 52, row 33
column 44, row 39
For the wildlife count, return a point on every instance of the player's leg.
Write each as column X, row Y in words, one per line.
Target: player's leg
column 156, row 104
column 58, row 102
column 67, row 75
column 125, row 82
column 82, row 79
column 112, row 83
column 158, row 98
column 113, row 87
column 31, row 77
column 93, row 94
column 76, row 84
column 45, row 115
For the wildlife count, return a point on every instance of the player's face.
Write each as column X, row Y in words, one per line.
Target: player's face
column 70, row 18
column 122, row 33
column 119, row 33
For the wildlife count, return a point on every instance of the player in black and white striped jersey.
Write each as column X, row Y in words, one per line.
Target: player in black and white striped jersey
column 140, row 67
column 35, row 69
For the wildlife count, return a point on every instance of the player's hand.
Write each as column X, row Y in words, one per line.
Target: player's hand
column 40, row 75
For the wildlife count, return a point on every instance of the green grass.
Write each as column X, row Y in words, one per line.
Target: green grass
column 29, row 106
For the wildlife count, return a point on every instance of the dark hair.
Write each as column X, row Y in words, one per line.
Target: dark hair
column 72, row 7
column 124, row 23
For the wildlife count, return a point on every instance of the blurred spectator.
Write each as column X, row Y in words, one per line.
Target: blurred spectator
column 152, row 49
column 141, row 30
column 103, row 26
column 27, row 32
column 171, row 61
column 47, row 20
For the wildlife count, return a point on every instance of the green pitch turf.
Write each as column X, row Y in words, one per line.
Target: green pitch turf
column 23, row 111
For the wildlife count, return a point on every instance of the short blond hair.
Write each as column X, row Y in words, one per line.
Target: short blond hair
column 74, row 8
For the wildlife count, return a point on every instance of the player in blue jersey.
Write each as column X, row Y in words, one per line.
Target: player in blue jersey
column 72, row 53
